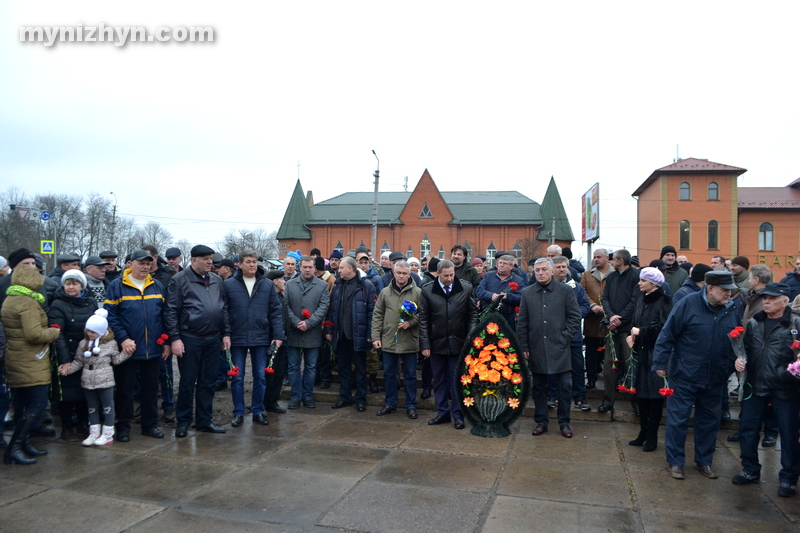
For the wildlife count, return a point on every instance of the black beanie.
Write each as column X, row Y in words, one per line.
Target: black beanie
column 667, row 249
column 433, row 264
column 17, row 256
column 699, row 272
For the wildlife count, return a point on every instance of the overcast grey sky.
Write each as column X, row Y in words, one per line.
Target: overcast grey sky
column 485, row 95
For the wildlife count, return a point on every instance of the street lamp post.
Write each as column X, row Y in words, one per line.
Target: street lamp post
column 113, row 222
column 376, row 175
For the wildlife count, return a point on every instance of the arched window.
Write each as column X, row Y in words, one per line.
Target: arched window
column 713, row 191
column 468, row 246
column 766, row 238
column 713, row 226
column 441, row 253
column 685, row 238
column 410, row 253
column 424, row 247
column 490, row 251
column 686, row 191
column 385, row 248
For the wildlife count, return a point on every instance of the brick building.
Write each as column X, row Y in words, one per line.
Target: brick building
column 697, row 206
column 426, row 222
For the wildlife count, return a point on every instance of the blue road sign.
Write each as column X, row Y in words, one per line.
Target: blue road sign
column 45, row 215
column 47, row 247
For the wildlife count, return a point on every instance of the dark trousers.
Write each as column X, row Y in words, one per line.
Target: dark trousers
column 409, row 364
column 30, row 401
column 324, row 364
column 347, row 358
column 427, row 373
column 125, row 378
column 540, row 397
column 167, row 380
column 222, row 372
column 707, row 403
column 788, row 420
column 443, row 368
column 198, row 366
column 79, row 409
column 577, row 374
column 100, row 401
column 5, row 399
column 594, row 357
column 275, row 380
column 615, row 345
column 651, row 413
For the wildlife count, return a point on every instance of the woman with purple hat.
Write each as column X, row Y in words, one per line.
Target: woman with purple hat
column 649, row 317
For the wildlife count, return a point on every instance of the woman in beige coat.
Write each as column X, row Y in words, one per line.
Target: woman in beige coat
column 27, row 359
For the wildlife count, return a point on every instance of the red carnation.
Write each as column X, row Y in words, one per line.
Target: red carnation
column 55, row 326
column 513, row 286
column 735, row 332
column 306, row 313
column 516, row 309
column 269, row 370
column 160, row 341
column 164, row 336
column 327, row 324
column 666, row 392
column 796, row 345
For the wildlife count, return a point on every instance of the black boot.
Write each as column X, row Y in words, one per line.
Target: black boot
column 373, row 383
column 639, row 440
column 14, row 452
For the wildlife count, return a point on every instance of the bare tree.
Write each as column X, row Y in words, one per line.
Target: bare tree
column 263, row 243
column 532, row 249
column 186, row 249
column 153, row 233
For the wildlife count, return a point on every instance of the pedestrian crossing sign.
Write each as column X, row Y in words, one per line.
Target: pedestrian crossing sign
column 47, row 247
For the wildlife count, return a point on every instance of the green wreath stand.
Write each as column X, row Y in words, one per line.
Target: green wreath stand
column 491, row 405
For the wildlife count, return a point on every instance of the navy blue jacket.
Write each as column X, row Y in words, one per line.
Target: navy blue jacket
column 256, row 319
column 793, row 281
column 697, row 339
column 688, row 287
column 492, row 284
column 363, row 305
column 136, row 315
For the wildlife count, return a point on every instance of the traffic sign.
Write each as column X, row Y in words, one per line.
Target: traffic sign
column 45, row 215
column 47, row 247
column 23, row 213
column 35, row 214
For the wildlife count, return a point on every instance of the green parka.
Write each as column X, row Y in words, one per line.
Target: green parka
column 27, row 334
column 385, row 319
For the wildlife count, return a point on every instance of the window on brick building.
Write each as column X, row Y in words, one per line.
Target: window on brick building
column 424, row 247
column 441, row 252
column 339, row 247
column 410, row 253
column 426, row 212
column 685, row 191
column 766, row 238
column 713, row 228
column 490, row 251
column 385, row 248
column 468, row 246
column 713, row 191
column 685, row 237
column 517, row 249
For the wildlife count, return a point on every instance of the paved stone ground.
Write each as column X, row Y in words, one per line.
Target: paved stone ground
column 327, row 470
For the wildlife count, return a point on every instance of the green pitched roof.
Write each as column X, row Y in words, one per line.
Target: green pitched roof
column 294, row 220
column 468, row 207
column 552, row 208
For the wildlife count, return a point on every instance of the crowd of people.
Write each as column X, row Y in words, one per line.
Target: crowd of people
column 94, row 338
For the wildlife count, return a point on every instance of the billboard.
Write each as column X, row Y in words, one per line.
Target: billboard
column 590, row 214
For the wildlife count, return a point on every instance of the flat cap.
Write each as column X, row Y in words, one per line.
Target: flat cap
column 202, row 250
column 95, row 260
column 721, row 279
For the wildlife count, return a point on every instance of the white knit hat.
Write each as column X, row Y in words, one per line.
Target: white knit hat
column 74, row 274
column 97, row 323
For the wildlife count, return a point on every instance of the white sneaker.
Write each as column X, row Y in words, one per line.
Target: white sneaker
column 106, row 438
column 94, row 433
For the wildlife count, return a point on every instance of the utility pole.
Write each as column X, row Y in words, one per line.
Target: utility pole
column 113, row 223
column 376, row 175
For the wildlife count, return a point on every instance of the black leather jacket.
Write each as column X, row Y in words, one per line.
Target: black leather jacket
column 768, row 358
column 444, row 323
column 193, row 308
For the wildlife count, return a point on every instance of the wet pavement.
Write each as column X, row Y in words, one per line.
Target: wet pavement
column 340, row 470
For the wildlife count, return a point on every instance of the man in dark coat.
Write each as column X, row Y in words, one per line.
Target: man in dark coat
column 196, row 318
column 674, row 275
column 620, row 296
column 447, row 313
column 792, row 279
column 694, row 343
column 549, row 318
column 768, row 346
column 351, row 307
column 256, row 323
